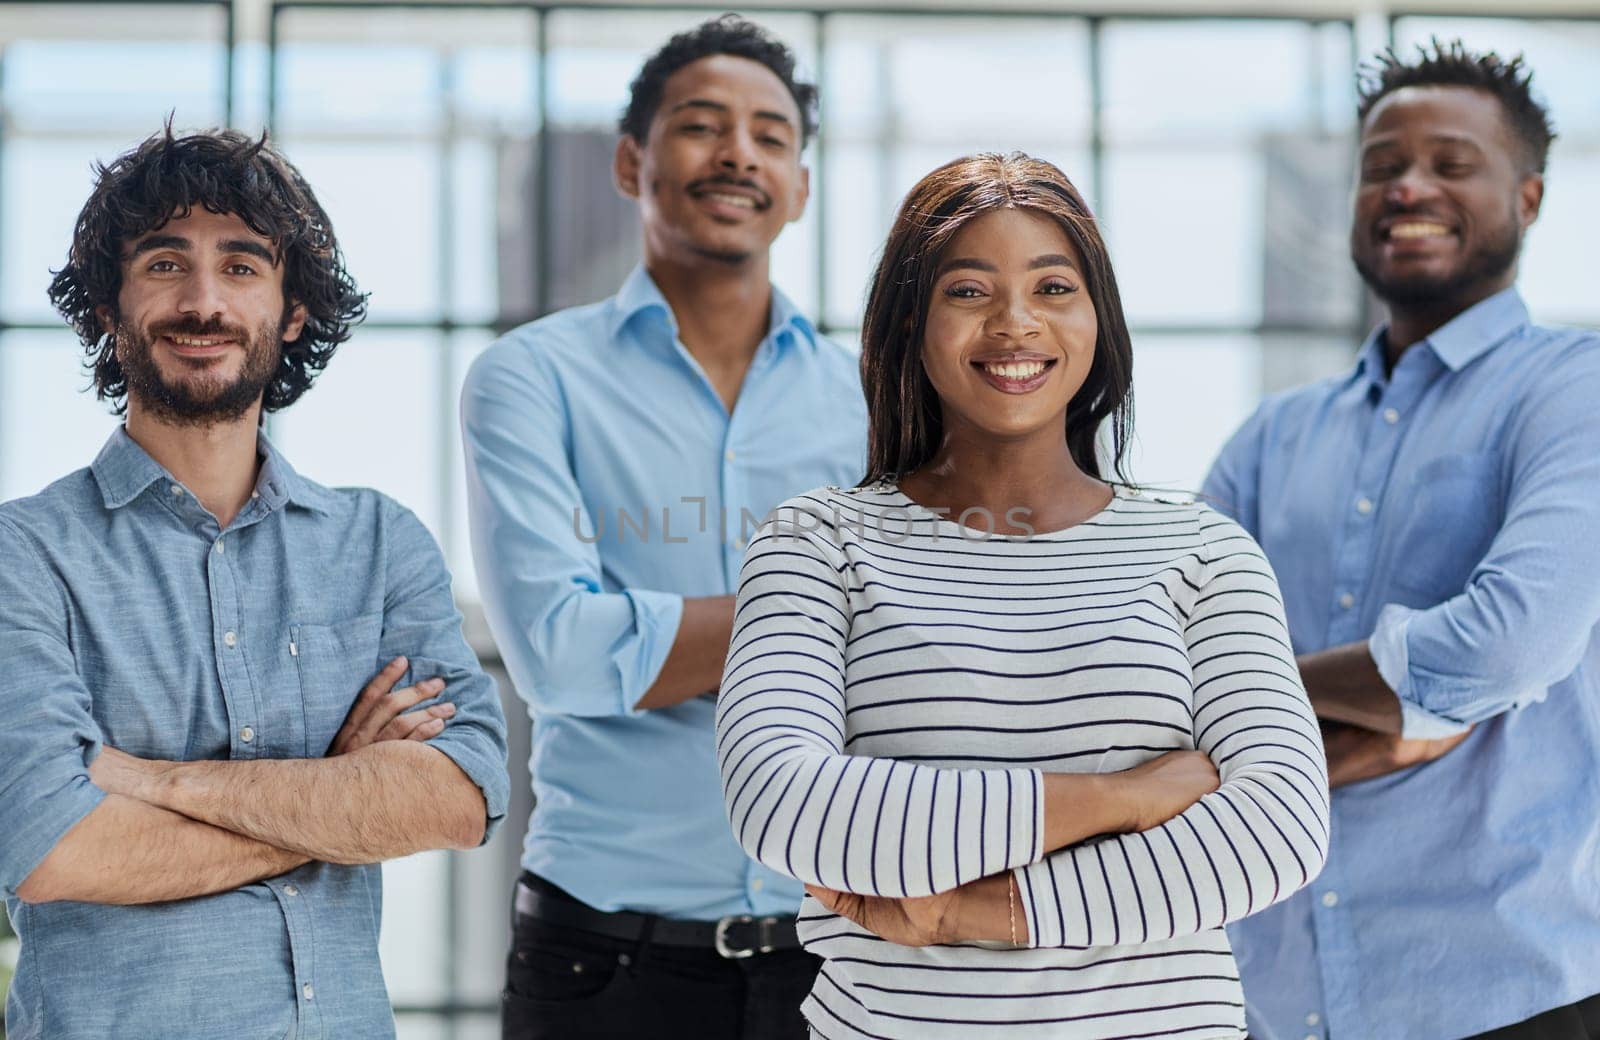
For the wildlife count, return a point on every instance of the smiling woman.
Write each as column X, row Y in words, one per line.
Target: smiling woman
column 1027, row 768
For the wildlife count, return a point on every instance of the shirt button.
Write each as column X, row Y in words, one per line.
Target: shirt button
column 1391, row 416
column 230, row 640
column 290, row 890
column 1347, row 601
column 218, row 546
column 1313, row 1036
column 739, row 543
column 728, row 455
column 308, row 991
column 757, row 885
column 1313, row 1018
column 1330, row 899
column 177, row 489
column 247, row 734
column 1364, row 506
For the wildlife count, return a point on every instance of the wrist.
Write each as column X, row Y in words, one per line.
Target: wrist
column 983, row 910
column 1115, row 796
column 159, row 784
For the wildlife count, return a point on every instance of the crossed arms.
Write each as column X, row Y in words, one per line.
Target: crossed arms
column 120, row 829
column 175, row 830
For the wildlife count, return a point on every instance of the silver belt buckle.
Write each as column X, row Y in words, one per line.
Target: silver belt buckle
column 764, row 933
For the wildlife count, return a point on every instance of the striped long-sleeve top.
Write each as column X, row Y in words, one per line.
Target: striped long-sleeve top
column 896, row 685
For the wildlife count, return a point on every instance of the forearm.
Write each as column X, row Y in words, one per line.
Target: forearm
column 376, row 803
column 1356, row 754
column 1079, row 806
column 127, row 851
column 694, row 664
column 1344, row 686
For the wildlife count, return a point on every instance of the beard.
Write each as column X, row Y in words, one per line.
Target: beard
column 198, row 395
column 1487, row 263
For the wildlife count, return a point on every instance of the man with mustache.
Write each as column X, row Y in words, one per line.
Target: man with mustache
column 1433, row 520
column 618, row 457
column 231, row 692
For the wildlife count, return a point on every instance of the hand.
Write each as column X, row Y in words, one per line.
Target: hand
column 1156, row 791
column 915, row 921
column 117, row 772
column 1360, row 754
column 379, row 713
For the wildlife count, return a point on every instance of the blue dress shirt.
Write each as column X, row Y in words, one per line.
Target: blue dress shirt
column 1449, row 513
column 129, row 619
column 606, row 482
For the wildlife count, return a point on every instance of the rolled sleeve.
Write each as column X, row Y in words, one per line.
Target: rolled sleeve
column 656, row 616
column 49, row 733
column 1388, row 649
column 421, row 623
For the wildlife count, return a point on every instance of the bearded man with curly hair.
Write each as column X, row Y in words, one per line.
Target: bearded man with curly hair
column 231, row 692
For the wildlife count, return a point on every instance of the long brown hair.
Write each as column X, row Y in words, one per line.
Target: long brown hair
column 905, row 425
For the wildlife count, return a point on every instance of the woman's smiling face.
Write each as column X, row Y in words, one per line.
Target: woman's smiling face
column 1010, row 333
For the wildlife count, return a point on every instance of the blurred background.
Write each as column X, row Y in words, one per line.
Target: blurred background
column 463, row 150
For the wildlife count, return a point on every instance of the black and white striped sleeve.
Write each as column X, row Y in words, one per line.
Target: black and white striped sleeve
column 797, row 802
column 1260, row 836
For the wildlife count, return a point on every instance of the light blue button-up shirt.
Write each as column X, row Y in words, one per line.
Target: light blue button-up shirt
column 1449, row 513
column 606, row 482
column 128, row 618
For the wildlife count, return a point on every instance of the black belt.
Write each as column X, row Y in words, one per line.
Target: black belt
column 735, row 937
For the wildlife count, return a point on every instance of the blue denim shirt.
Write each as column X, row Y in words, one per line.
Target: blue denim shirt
column 607, row 481
column 1449, row 513
column 128, row 618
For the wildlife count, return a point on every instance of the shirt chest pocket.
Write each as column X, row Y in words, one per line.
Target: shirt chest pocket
column 1452, row 514
column 333, row 662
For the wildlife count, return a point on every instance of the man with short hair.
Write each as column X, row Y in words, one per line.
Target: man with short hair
column 618, row 457
column 1433, row 520
column 195, row 799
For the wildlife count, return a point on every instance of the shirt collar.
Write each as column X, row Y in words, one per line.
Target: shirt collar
column 639, row 294
column 1459, row 341
column 124, row 471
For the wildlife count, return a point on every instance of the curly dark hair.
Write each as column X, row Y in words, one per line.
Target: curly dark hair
column 905, row 425
column 225, row 172
column 727, row 34
column 1453, row 65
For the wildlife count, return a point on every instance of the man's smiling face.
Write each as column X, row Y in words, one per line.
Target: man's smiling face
column 719, row 174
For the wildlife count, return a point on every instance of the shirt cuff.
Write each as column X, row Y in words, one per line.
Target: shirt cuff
column 1389, row 653
column 656, row 616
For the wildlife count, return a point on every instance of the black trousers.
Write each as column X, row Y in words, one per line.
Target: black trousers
column 1580, row 1021
column 567, row 984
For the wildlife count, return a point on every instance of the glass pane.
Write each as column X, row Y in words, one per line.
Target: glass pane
column 1557, row 272
column 1185, row 231
column 406, row 72
column 388, row 225
column 464, row 348
column 411, row 939
column 43, row 185
column 86, row 68
column 49, row 424
column 373, row 419
column 1197, row 80
column 1178, row 434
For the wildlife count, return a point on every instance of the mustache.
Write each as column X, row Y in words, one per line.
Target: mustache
column 196, row 327
column 763, row 199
